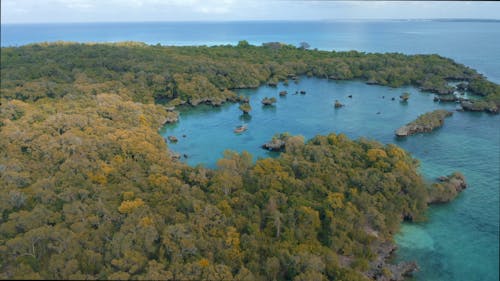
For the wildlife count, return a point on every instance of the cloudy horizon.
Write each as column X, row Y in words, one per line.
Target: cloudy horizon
column 54, row 11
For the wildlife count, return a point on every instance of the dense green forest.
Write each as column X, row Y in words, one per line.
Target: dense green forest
column 89, row 189
column 144, row 73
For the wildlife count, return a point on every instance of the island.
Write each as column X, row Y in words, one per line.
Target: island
column 91, row 190
column 268, row 101
column 424, row 123
column 245, row 107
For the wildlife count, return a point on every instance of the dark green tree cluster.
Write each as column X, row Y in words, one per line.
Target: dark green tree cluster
column 207, row 74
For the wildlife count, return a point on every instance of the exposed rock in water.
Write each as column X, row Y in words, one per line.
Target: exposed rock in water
column 173, row 139
column 447, row 188
column 404, row 97
column 338, row 104
column 349, row 96
column 424, row 123
column 272, row 84
column 302, row 92
column 283, row 93
column 268, row 101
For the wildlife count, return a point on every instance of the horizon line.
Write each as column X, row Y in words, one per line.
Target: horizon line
column 261, row 20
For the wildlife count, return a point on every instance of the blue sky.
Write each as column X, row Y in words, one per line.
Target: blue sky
column 34, row 11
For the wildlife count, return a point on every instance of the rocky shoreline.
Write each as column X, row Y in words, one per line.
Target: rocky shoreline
column 382, row 270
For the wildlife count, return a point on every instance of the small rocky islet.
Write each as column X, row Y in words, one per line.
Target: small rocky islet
column 424, row 123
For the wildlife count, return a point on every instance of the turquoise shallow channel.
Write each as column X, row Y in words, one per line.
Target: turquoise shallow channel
column 460, row 239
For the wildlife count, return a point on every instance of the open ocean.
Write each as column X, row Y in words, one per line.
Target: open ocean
column 460, row 240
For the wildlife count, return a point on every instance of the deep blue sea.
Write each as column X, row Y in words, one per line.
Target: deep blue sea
column 460, row 240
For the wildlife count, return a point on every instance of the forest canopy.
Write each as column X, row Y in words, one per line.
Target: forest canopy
column 145, row 73
column 89, row 189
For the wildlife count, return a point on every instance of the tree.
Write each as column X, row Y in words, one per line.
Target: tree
column 245, row 107
column 404, row 97
column 243, row 44
column 304, row 45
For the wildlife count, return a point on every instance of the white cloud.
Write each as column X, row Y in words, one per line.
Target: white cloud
column 178, row 10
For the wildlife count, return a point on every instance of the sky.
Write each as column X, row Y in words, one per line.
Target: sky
column 45, row 11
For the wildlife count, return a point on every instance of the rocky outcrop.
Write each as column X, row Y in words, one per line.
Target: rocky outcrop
column 210, row 101
column 404, row 97
column 173, row 139
column 382, row 270
column 437, row 89
column 446, row 98
column 338, row 104
column 268, row 101
column 172, row 117
column 424, row 123
column 462, row 86
column 174, row 156
column 245, row 108
column 283, row 93
column 447, row 188
column 275, row 145
column 372, row 82
column 479, row 106
column 242, row 99
column 302, row 92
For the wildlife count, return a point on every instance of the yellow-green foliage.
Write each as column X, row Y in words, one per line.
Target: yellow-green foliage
column 88, row 190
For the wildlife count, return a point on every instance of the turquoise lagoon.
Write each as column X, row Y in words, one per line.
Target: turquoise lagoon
column 459, row 241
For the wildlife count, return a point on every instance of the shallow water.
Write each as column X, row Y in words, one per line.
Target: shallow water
column 460, row 239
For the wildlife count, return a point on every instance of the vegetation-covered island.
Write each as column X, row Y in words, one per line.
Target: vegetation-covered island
column 425, row 123
column 89, row 189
